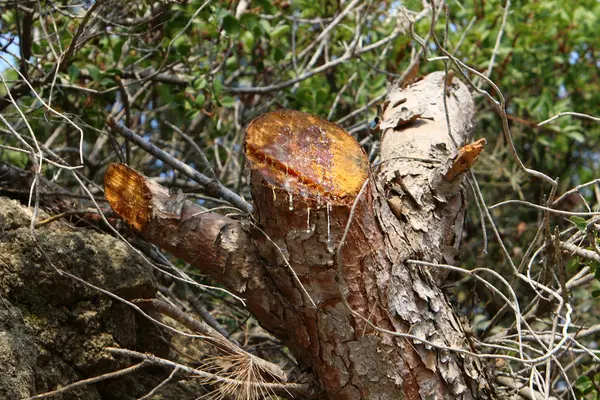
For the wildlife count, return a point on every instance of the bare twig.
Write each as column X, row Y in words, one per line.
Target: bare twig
column 550, row 210
column 99, row 378
column 157, row 387
column 190, row 141
column 575, row 114
column 212, row 186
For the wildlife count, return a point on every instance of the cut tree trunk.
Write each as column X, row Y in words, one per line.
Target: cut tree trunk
column 324, row 263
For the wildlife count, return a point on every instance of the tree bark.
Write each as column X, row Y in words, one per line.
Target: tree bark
column 324, row 264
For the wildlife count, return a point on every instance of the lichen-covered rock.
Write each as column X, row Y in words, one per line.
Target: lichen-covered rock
column 53, row 329
column 17, row 355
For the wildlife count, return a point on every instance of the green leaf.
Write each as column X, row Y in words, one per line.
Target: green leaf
column 579, row 222
column 267, row 6
column 73, row 72
column 577, row 136
column 378, row 81
column 217, row 87
column 227, row 101
column 232, row 62
column 583, row 384
column 164, row 94
column 320, row 95
column 278, row 54
column 129, row 60
column 303, row 96
column 8, row 16
column 114, row 71
column 231, row 25
column 93, row 71
column 595, row 293
column 200, row 99
column 280, row 31
column 249, row 20
column 265, row 26
column 192, row 114
column 572, row 265
column 15, row 158
column 200, row 83
column 247, row 40
column 182, row 44
column 118, row 50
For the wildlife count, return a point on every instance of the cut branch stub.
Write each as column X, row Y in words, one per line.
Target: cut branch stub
column 211, row 241
column 306, row 174
column 128, row 195
column 465, row 159
column 306, row 156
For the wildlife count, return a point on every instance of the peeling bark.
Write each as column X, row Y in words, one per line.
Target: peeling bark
column 316, row 296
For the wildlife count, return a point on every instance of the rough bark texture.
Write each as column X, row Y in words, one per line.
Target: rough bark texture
column 353, row 360
column 320, row 310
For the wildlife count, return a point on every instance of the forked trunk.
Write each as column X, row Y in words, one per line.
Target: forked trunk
column 325, row 265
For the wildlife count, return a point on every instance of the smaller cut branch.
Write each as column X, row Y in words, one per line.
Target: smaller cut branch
column 206, row 239
column 217, row 245
column 205, row 314
column 465, row 159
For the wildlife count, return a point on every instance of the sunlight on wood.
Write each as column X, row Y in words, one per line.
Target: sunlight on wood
column 306, row 155
column 465, row 159
column 128, row 195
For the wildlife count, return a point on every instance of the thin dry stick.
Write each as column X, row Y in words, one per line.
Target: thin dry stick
column 170, row 45
column 575, row 114
column 351, row 50
column 587, row 254
column 575, row 190
column 212, row 186
column 479, row 198
column 64, row 214
column 110, row 375
column 498, row 38
column 71, row 49
column 47, row 106
column 205, row 314
column 325, row 32
column 481, row 217
column 550, row 210
column 163, row 383
column 190, row 141
column 211, row 335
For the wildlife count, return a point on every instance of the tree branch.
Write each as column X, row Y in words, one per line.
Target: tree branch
column 212, row 186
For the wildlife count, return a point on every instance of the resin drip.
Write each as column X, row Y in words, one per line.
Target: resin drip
column 329, row 241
